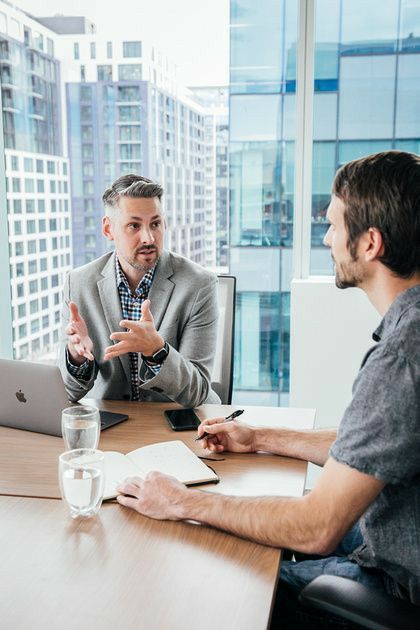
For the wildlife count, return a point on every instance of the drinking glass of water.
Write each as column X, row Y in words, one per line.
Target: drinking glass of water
column 81, row 477
column 81, row 427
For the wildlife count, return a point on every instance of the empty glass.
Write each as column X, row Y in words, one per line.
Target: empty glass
column 81, row 427
column 81, row 477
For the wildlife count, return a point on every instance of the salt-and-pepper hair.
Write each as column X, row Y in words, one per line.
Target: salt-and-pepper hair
column 134, row 186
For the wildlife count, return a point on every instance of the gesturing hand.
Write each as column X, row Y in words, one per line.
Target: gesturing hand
column 79, row 343
column 142, row 336
column 227, row 436
column 157, row 496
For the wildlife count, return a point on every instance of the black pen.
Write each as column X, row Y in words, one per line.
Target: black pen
column 232, row 416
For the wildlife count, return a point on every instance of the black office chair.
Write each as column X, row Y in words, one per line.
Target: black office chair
column 222, row 376
column 359, row 604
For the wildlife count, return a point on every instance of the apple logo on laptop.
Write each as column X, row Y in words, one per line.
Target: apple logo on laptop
column 21, row 396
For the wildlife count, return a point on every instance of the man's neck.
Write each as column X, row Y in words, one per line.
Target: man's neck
column 134, row 276
column 384, row 288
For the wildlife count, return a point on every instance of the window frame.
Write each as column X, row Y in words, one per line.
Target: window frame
column 6, row 338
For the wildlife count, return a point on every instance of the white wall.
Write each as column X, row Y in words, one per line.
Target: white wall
column 331, row 330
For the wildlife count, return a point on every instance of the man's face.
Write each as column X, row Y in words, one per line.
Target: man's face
column 138, row 228
column 348, row 270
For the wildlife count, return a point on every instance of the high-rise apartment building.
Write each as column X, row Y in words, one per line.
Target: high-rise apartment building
column 366, row 99
column 215, row 100
column 37, row 179
column 125, row 114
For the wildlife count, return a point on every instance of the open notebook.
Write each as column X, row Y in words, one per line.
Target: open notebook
column 172, row 458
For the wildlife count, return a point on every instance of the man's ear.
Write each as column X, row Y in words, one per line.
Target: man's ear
column 373, row 244
column 107, row 228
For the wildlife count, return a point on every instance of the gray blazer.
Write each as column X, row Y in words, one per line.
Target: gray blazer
column 183, row 300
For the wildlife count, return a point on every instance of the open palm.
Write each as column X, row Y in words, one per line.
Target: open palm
column 78, row 341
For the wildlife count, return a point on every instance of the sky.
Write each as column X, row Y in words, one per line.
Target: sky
column 193, row 33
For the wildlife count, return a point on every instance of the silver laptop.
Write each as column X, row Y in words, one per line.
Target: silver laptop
column 33, row 397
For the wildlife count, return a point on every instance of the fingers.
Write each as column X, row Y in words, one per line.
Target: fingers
column 120, row 336
column 129, row 324
column 131, row 485
column 208, row 421
column 74, row 311
column 213, row 446
column 83, row 352
column 146, row 315
column 218, row 426
column 115, row 351
column 127, row 501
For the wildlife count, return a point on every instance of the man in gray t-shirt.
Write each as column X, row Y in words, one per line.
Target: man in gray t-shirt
column 362, row 519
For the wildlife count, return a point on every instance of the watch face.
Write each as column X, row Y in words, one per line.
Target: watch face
column 161, row 354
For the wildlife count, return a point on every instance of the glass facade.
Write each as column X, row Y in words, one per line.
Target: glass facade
column 367, row 92
column 262, row 128
column 366, row 99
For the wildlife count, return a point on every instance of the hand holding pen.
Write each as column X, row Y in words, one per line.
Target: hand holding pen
column 232, row 416
column 220, row 434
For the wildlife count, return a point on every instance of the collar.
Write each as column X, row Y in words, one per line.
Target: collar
column 397, row 309
column 145, row 282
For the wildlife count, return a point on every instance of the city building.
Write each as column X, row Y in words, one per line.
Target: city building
column 215, row 100
column 366, row 99
column 127, row 114
column 37, row 180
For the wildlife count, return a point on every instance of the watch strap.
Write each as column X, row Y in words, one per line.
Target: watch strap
column 159, row 356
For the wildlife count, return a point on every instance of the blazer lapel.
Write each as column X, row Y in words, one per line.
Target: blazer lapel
column 111, row 304
column 161, row 289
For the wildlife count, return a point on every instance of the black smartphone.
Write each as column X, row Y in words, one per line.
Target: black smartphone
column 182, row 419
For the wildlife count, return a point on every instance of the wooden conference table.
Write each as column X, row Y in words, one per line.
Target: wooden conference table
column 120, row 569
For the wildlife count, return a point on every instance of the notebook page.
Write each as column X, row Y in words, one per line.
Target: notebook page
column 117, row 468
column 172, row 458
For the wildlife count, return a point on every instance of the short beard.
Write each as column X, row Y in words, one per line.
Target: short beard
column 349, row 278
column 139, row 267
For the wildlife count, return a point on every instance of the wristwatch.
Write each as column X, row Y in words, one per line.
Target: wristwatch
column 159, row 356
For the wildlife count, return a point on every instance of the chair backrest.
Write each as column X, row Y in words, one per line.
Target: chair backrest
column 222, row 376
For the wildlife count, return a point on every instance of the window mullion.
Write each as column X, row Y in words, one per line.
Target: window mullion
column 304, row 139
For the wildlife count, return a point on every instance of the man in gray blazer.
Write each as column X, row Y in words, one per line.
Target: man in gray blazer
column 158, row 309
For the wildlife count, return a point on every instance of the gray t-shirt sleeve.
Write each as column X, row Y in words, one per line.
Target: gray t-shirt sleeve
column 380, row 431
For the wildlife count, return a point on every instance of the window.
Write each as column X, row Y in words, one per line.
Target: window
column 131, row 49
column 129, row 72
column 32, row 266
column 130, row 133
column 86, row 113
column 104, row 73
column 33, row 286
column 31, row 247
column 129, row 93
column 92, row 50
column 129, row 113
column 76, row 50
column 85, row 93
column 39, row 166
column 109, row 50
column 29, row 185
column 28, row 165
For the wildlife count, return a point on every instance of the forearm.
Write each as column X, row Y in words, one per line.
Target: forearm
column 311, row 446
column 275, row 521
